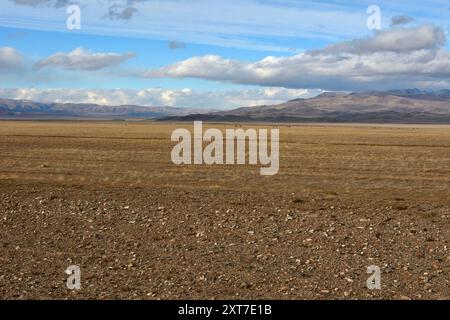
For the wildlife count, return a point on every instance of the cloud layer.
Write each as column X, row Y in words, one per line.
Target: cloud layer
column 390, row 59
column 162, row 97
column 396, row 58
column 276, row 25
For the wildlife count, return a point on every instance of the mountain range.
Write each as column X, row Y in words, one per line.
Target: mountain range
column 395, row 106
column 25, row 109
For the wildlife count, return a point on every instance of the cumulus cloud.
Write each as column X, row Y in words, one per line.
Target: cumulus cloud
column 81, row 59
column 163, row 97
column 401, row 20
column 393, row 58
column 396, row 40
column 10, row 58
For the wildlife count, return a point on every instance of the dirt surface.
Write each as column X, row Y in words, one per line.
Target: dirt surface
column 106, row 197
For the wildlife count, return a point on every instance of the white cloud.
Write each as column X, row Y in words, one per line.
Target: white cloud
column 391, row 59
column 10, row 58
column 396, row 40
column 187, row 98
column 81, row 59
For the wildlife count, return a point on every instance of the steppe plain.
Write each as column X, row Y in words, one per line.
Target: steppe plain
column 106, row 196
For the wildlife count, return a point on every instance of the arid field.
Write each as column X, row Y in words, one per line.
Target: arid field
column 105, row 196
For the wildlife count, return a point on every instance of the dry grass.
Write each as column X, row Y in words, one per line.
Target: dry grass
column 389, row 162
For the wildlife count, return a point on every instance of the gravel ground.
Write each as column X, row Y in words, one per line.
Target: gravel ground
column 175, row 244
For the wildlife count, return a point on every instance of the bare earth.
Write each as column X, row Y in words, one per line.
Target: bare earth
column 106, row 196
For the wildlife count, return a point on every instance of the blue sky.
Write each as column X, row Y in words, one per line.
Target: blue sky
column 206, row 52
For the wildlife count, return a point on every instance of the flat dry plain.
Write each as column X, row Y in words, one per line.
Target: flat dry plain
column 105, row 196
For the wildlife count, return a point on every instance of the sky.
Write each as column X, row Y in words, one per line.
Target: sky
column 218, row 54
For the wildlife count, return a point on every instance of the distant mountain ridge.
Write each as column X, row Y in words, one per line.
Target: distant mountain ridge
column 22, row 109
column 395, row 106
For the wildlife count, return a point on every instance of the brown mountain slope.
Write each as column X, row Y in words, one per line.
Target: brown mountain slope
column 30, row 109
column 383, row 107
